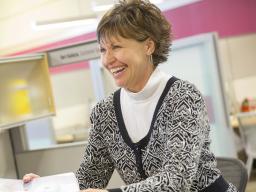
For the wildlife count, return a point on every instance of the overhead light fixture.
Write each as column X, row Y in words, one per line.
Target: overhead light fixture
column 65, row 22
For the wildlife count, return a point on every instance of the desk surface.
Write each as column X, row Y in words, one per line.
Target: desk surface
column 246, row 114
column 245, row 118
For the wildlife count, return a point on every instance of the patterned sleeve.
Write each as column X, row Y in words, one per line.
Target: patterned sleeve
column 97, row 167
column 188, row 130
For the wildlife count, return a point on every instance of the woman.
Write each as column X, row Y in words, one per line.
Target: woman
column 154, row 130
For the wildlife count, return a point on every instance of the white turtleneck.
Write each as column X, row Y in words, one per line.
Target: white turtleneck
column 138, row 108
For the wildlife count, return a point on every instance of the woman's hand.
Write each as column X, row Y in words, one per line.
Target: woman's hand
column 29, row 177
column 94, row 190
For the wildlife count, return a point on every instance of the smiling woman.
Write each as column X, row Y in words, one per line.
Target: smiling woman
column 131, row 44
column 154, row 130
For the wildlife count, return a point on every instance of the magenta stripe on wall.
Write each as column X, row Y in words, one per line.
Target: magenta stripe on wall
column 58, row 44
column 70, row 67
column 226, row 17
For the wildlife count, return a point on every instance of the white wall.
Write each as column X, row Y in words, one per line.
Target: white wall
column 245, row 87
column 238, row 59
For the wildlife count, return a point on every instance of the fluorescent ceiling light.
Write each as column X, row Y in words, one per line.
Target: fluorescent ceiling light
column 65, row 23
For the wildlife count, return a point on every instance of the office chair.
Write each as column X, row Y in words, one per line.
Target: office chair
column 234, row 171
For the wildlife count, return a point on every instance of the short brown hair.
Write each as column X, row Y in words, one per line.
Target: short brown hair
column 138, row 20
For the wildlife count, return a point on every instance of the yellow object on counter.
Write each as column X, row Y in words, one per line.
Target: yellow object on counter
column 19, row 98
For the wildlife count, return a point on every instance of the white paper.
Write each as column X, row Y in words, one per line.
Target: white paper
column 66, row 182
column 11, row 185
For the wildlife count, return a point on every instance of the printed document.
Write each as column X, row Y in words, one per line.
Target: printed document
column 66, row 182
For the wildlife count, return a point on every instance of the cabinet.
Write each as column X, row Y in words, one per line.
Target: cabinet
column 25, row 90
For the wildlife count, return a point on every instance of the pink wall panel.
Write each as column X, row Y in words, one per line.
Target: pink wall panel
column 227, row 17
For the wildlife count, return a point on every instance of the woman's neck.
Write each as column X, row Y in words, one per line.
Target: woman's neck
column 142, row 82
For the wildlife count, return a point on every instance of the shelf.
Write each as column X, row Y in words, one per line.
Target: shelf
column 25, row 88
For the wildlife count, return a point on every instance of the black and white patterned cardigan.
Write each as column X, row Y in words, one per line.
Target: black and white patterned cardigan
column 173, row 156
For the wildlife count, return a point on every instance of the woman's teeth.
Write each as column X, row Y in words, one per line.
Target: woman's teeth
column 117, row 70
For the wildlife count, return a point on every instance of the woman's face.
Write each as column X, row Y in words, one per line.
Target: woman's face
column 128, row 61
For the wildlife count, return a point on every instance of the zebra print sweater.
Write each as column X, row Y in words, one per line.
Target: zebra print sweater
column 173, row 156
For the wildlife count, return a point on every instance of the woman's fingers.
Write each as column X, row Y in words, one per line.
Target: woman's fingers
column 29, row 177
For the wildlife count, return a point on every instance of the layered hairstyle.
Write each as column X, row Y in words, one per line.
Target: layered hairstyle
column 138, row 20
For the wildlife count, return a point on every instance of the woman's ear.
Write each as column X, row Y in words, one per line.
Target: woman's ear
column 150, row 46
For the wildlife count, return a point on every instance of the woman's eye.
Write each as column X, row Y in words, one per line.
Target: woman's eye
column 102, row 50
column 116, row 47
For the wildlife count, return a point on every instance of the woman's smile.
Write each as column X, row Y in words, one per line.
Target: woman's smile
column 117, row 71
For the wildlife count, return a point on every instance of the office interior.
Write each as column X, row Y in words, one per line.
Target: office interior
column 214, row 47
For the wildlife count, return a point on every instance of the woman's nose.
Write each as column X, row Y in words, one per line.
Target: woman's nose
column 108, row 58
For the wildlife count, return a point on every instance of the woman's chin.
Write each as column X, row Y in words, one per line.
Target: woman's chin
column 119, row 83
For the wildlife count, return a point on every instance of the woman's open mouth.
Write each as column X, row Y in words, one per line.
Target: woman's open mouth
column 117, row 70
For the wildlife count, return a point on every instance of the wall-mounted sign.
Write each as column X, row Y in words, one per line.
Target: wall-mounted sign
column 73, row 54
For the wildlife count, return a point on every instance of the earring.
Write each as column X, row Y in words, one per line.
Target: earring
column 151, row 59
